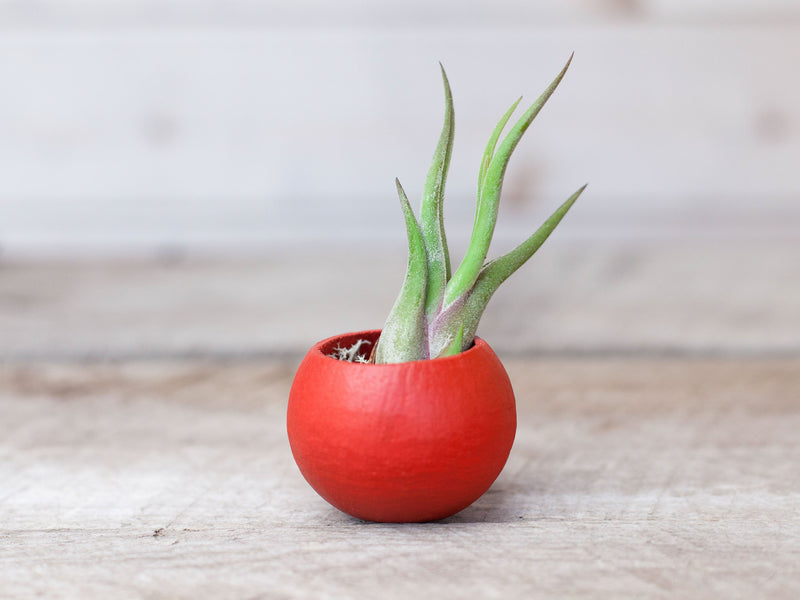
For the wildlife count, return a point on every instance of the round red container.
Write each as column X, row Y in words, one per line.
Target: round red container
column 408, row 442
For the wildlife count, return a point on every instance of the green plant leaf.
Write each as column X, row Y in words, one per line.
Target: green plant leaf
column 489, row 198
column 404, row 336
column 500, row 269
column 466, row 311
column 432, row 211
column 488, row 152
column 455, row 345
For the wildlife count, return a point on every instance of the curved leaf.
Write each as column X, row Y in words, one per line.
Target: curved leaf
column 432, row 212
column 404, row 336
column 488, row 152
column 489, row 198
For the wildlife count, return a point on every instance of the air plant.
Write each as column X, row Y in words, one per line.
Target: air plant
column 437, row 311
column 418, row 440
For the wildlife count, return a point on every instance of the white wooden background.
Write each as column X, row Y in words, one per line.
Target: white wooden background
column 131, row 126
column 142, row 401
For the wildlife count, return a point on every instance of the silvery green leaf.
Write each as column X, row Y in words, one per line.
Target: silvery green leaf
column 432, row 212
column 489, row 199
column 404, row 336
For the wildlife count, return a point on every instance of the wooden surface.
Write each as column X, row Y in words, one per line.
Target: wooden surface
column 143, row 451
column 629, row 479
column 738, row 297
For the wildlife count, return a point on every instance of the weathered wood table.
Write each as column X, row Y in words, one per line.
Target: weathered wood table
column 143, row 451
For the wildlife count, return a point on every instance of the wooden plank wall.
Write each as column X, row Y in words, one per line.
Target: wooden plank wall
column 138, row 125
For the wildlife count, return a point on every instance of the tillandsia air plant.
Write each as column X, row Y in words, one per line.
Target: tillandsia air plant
column 411, row 439
column 437, row 311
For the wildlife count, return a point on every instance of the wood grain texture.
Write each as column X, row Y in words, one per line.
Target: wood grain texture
column 173, row 479
column 228, row 135
column 90, row 14
column 679, row 297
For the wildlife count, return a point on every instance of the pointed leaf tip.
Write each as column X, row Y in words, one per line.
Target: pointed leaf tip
column 431, row 219
column 404, row 337
column 444, row 75
column 491, row 183
column 501, row 268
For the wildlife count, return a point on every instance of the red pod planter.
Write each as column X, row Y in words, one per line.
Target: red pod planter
column 409, row 442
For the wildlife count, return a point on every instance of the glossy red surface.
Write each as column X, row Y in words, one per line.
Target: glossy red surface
column 408, row 442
